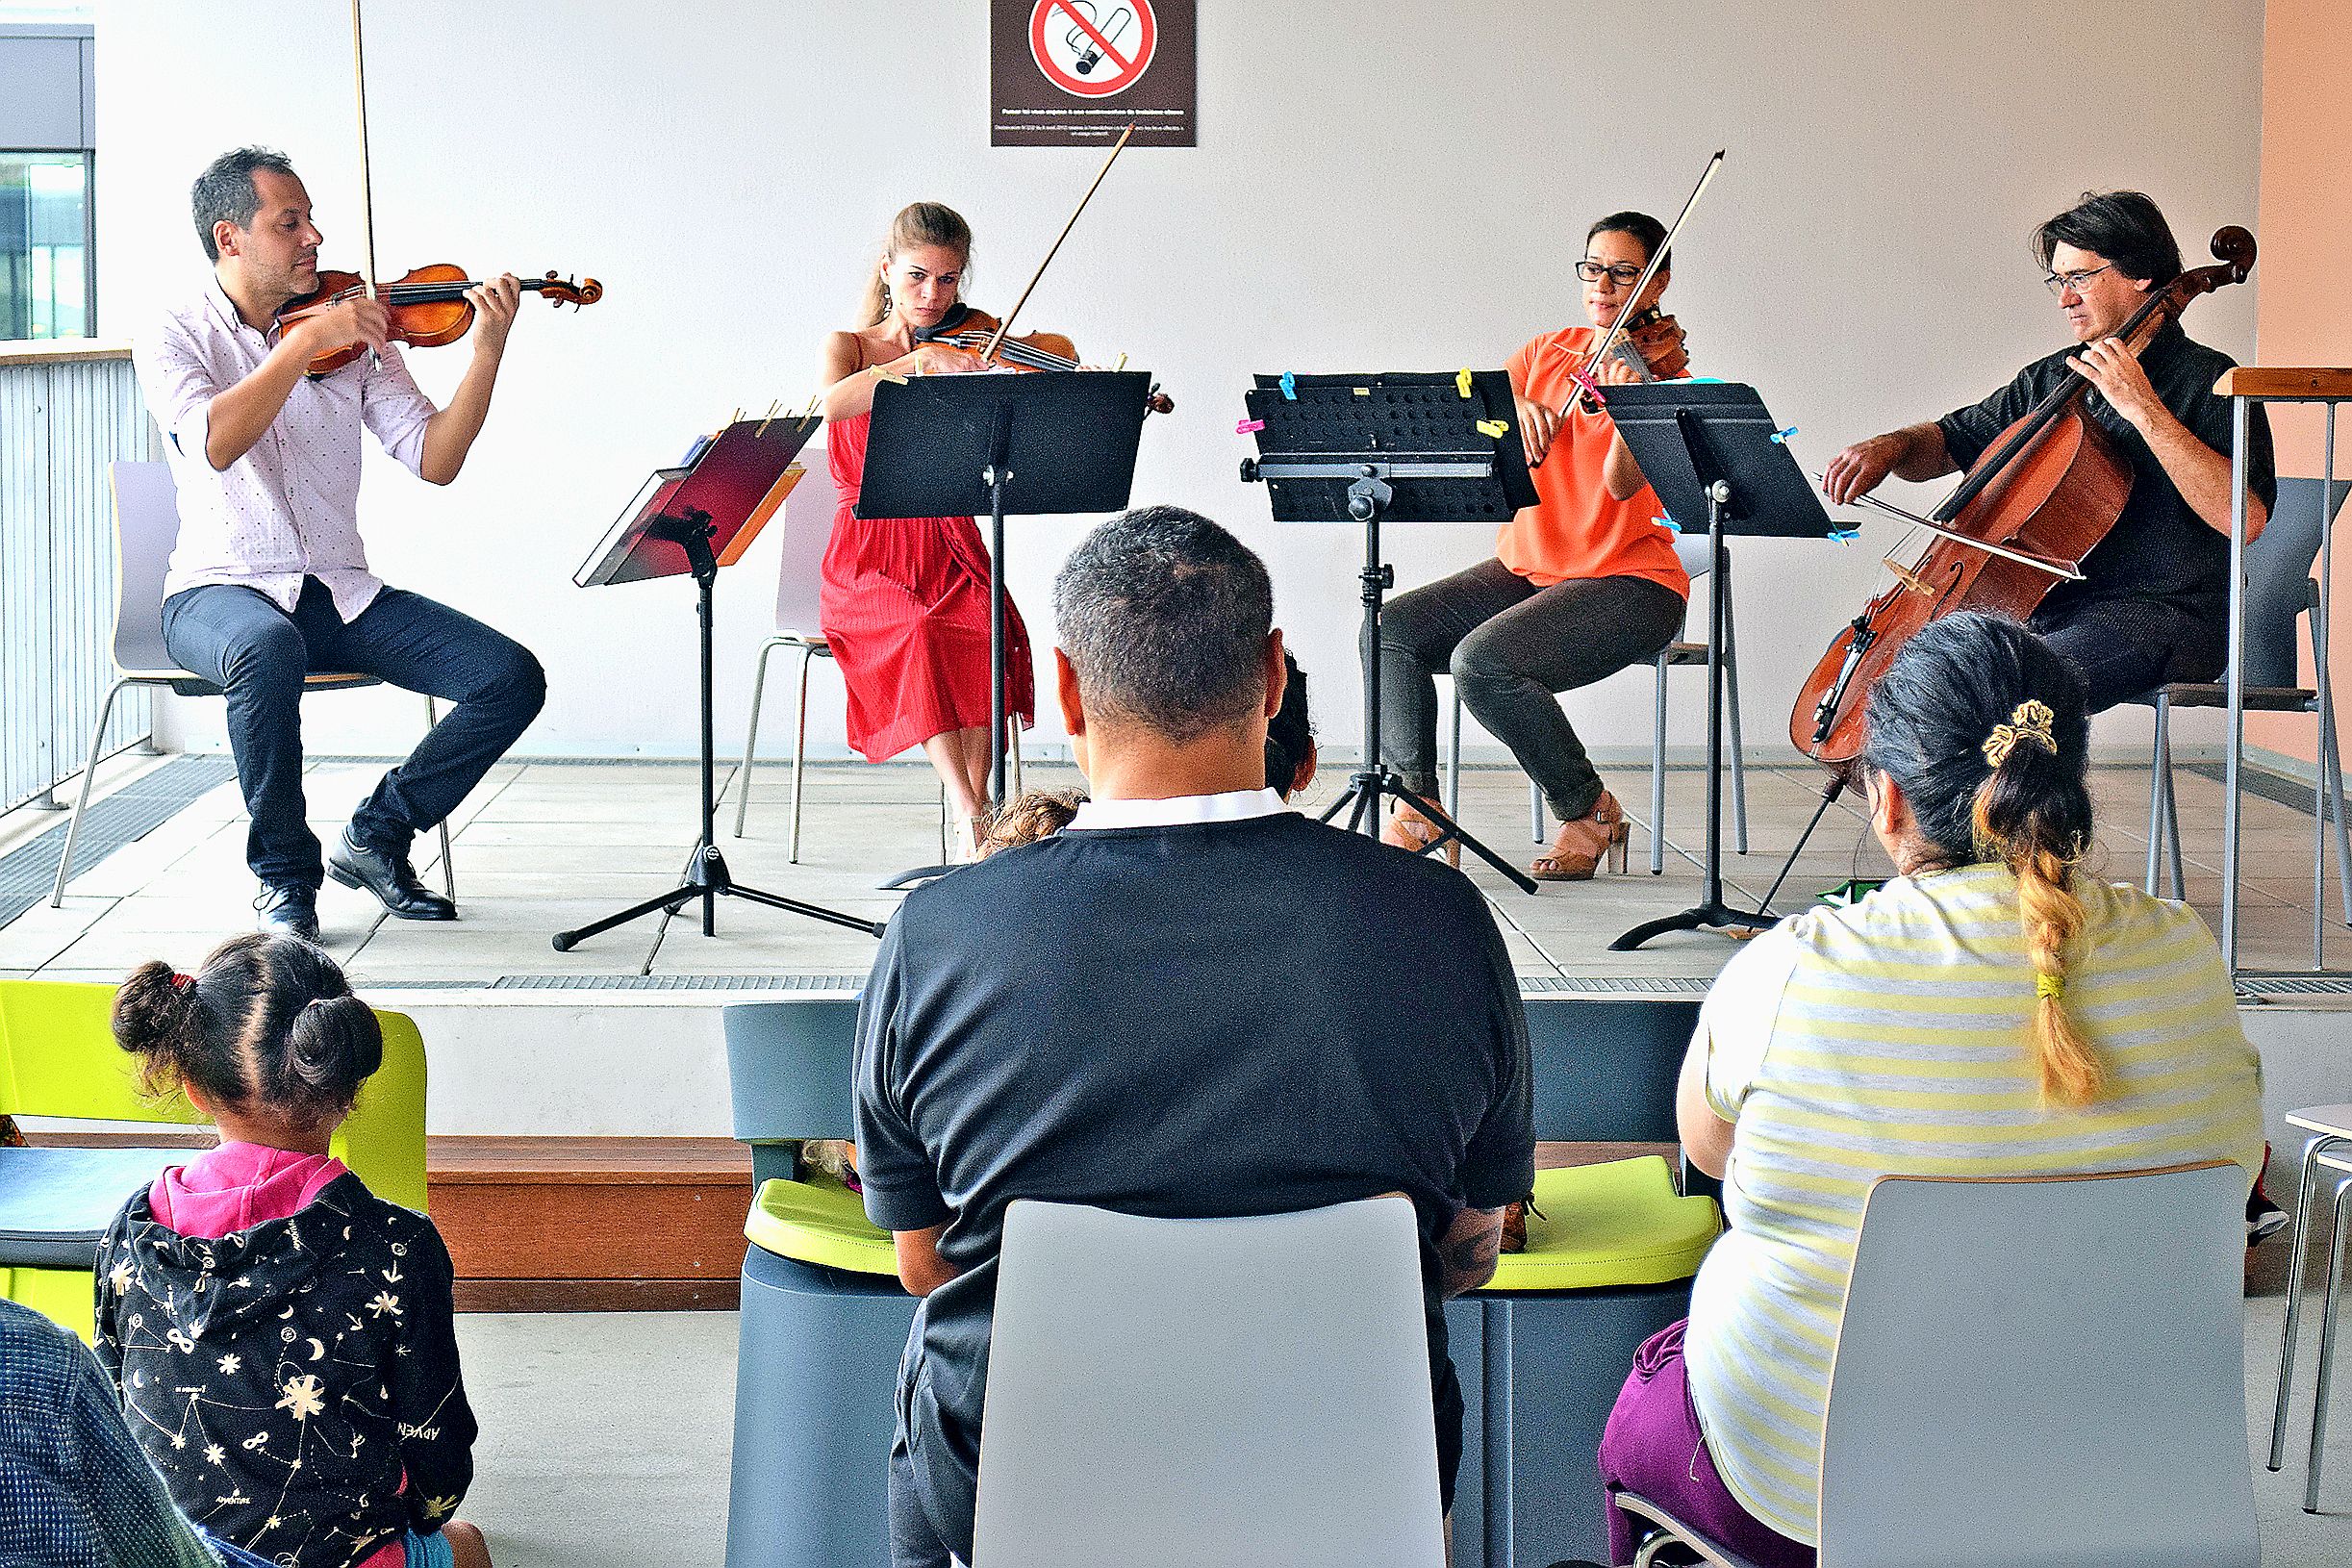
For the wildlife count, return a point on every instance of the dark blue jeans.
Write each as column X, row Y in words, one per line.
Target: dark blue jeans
column 257, row 654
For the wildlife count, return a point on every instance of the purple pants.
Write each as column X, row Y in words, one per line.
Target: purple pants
column 1652, row 1446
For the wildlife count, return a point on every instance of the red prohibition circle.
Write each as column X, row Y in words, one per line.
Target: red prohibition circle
column 1128, row 65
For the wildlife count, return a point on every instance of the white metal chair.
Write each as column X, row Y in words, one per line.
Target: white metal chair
column 2327, row 1162
column 2036, row 1370
column 1165, row 1392
column 2280, row 589
column 807, row 526
column 1697, row 559
column 146, row 526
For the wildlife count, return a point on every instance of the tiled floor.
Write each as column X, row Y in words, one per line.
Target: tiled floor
column 543, row 846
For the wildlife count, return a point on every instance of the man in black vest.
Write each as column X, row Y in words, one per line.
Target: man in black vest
column 1190, row 1002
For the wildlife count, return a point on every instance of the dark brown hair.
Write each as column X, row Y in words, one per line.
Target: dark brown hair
column 266, row 1022
column 1984, row 729
column 1025, row 818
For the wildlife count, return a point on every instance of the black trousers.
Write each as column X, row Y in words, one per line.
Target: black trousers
column 238, row 639
column 1511, row 647
column 2122, row 647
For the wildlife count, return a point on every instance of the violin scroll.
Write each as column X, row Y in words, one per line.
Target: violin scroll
column 2233, row 246
column 557, row 290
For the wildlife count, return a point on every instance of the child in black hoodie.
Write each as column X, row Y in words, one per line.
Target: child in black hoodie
column 282, row 1338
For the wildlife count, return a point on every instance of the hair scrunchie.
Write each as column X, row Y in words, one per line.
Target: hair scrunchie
column 180, row 981
column 2049, row 985
column 2030, row 720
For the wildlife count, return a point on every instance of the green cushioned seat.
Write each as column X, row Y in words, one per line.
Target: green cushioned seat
column 1618, row 1223
column 819, row 1221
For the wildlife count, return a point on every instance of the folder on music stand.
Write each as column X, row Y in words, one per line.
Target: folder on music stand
column 738, row 479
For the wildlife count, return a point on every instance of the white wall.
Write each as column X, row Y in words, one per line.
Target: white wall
column 1384, row 186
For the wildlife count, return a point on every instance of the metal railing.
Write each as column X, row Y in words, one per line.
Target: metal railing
column 67, row 410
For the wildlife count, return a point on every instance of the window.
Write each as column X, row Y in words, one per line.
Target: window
column 44, row 245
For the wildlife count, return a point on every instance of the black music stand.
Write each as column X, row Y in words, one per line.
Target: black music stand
column 689, row 521
column 1039, row 443
column 1711, row 447
column 1401, row 446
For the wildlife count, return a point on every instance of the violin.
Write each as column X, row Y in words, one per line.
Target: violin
column 1651, row 346
column 428, row 306
column 2037, row 501
column 980, row 335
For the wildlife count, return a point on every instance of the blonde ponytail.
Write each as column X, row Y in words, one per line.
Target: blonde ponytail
column 2053, row 918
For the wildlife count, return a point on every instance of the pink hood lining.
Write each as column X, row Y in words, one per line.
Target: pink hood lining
column 238, row 1186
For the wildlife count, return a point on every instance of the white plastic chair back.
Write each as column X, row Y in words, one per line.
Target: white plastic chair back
column 1697, row 559
column 2043, row 1372
column 1181, row 1392
column 146, row 526
column 807, row 521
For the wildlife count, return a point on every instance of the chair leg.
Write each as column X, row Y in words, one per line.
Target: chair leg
column 2156, row 803
column 2327, row 1344
column 799, row 754
column 1453, row 763
column 2170, row 798
column 751, row 733
column 448, row 867
column 1658, row 769
column 2298, row 1241
column 1535, row 811
column 81, row 799
column 2331, row 762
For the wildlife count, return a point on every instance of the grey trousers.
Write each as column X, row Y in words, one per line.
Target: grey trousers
column 1511, row 647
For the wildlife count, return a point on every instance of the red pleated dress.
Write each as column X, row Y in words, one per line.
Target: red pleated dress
column 904, row 605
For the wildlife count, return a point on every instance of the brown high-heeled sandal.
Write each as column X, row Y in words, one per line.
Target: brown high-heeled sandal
column 1409, row 830
column 1580, row 846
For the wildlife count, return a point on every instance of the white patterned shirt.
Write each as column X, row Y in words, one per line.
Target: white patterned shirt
column 289, row 509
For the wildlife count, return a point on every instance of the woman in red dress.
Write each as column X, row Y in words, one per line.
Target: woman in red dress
column 905, row 601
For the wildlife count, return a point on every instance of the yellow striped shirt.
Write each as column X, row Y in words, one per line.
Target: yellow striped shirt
column 1893, row 1038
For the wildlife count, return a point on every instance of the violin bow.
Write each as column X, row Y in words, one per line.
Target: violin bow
column 1666, row 247
column 368, row 210
column 1007, row 325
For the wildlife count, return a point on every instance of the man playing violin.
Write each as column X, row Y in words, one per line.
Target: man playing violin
column 2153, row 603
column 1581, row 584
column 268, row 580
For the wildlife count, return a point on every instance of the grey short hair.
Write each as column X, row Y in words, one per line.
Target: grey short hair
column 1164, row 617
column 224, row 192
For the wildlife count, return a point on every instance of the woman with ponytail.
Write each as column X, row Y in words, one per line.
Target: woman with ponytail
column 905, row 601
column 282, row 1339
column 1996, row 1009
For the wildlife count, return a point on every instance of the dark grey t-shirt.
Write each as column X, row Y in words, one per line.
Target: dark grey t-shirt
column 2159, row 549
column 1204, row 1020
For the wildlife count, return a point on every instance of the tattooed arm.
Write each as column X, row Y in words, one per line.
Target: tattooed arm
column 1466, row 1253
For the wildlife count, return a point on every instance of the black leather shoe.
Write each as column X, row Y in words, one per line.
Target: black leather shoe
column 288, row 911
column 391, row 879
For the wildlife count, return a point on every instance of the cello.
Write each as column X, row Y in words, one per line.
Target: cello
column 2034, row 505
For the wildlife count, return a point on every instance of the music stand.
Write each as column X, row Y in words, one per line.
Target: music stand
column 689, row 521
column 1041, row 442
column 1402, row 447
column 1711, row 447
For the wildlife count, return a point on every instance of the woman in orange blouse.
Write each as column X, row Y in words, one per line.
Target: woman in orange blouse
column 1581, row 584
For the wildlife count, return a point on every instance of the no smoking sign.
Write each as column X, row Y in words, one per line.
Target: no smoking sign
column 1079, row 73
column 1093, row 48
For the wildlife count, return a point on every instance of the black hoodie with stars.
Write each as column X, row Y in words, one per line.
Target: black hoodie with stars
column 297, row 1383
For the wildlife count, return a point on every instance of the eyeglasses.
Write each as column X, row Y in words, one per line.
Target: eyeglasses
column 2058, row 282
column 1622, row 274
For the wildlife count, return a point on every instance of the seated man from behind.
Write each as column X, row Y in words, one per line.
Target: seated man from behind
column 1190, row 1002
